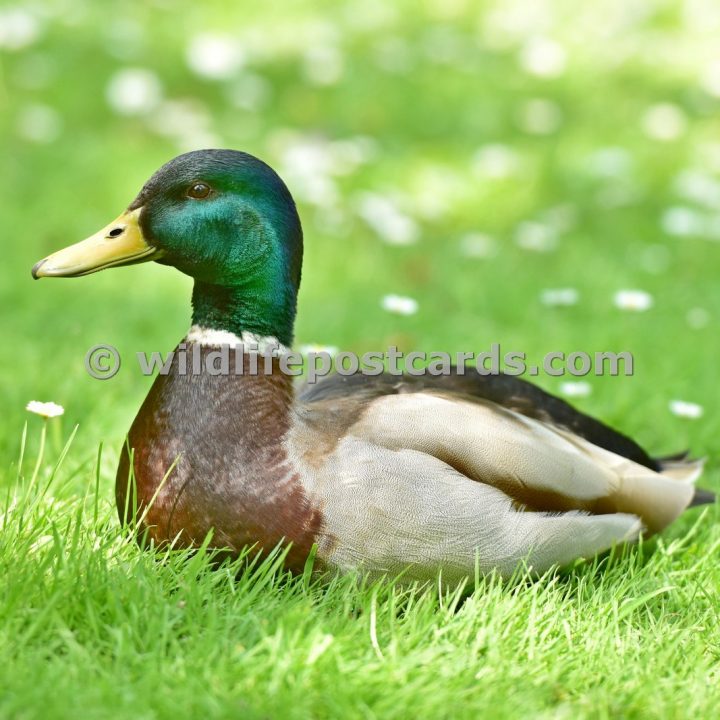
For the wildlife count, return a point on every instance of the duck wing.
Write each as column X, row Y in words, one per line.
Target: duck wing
column 506, row 391
column 506, row 432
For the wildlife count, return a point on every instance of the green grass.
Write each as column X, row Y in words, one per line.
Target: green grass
column 90, row 625
column 93, row 627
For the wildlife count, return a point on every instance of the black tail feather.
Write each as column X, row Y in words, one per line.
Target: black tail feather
column 702, row 497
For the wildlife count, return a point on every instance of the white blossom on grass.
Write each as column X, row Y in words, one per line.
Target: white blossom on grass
column 560, row 218
column 45, row 409
column 310, row 164
column 134, row 91
column 559, row 297
column 18, row 28
column 699, row 187
column 540, row 116
column 350, row 153
column 536, row 237
column 399, row 304
column 682, row 221
column 323, row 65
column 543, row 57
column 250, row 91
column 710, row 80
column 664, row 122
column 478, row 245
column 384, row 216
column 575, row 389
column 633, row 300
column 495, row 162
column 214, row 56
column 610, row 162
column 307, row 164
column 331, row 350
column 187, row 121
column 179, row 118
column 685, row 409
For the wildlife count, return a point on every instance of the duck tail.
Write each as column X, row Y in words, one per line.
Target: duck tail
column 660, row 497
column 681, row 467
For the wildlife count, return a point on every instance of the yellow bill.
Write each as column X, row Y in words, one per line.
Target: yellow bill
column 119, row 243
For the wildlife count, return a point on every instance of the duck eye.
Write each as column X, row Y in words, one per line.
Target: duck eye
column 198, row 190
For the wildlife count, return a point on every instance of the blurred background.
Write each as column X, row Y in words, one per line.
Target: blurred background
column 544, row 175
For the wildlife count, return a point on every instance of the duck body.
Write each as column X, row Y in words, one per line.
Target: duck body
column 390, row 476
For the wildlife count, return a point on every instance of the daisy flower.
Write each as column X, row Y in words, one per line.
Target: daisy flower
column 559, row 297
column 575, row 389
column 633, row 300
column 45, row 409
column 399, row 305
column 685, row 409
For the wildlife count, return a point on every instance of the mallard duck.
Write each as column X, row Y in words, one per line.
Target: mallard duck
column 413, row 476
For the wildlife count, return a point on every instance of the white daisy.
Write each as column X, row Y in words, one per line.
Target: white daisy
column 213, row 56
column 350, row 153
column 310, row 165
column 250, row 92
column 699, row 187
column 540, row 116
column 610, row 162
column 323, row 65
column 682, row 221
column 133, row 91
column 559, row 297
column 633, row 300
column 685, row 409
column 543, row 57
column 576, row 389
column 180, row 118
column 710, row 80
column 478, row 245
column 45, row 409
column 664, row 122
column 560, row 217
column 399, row 304
column 536, row 237
column 495, row 162
column 18, row 28
column 331, row 350
column 387, row 220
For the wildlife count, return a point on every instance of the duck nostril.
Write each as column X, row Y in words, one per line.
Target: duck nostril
column 116, row 232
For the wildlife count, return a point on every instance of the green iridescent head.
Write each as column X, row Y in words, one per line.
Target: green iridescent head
column 221, row 216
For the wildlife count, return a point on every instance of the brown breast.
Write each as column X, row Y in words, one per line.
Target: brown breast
column 208, row 455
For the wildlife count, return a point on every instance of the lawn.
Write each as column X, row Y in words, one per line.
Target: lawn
column 471, row 156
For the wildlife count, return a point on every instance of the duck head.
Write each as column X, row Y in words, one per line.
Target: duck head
column 221, row 216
